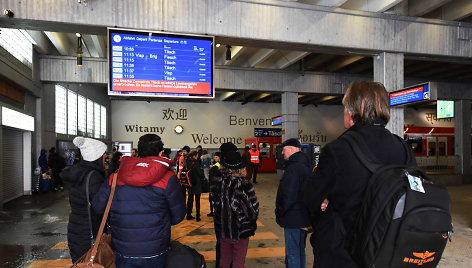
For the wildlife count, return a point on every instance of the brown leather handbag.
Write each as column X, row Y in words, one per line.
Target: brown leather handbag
column 101, row 254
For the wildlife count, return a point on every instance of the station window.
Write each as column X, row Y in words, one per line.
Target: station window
column 415, row 143
column 77, row 115
column 71, row 113
column 61, row 110
column 442, row 148
column 81, row 115
column 103, row 121
column 19, row 44
column 431, row 148
column 96, row 120
column 89, row 118
column 264, row 150
column 274, row 152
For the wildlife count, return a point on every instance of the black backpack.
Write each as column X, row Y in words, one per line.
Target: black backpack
column 396, row 225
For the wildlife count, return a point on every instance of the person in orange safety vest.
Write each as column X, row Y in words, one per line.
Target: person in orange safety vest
column 255, row 161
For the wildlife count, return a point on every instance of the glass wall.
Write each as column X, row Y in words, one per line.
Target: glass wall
column 77, row 115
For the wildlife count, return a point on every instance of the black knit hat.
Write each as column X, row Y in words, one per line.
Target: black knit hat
column 186, row 148
column 233, row 160
column 291, row 142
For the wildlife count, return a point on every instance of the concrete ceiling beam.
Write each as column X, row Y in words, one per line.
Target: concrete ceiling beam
column 260, row 56
column 288, row 58
column 418, row 8
column 457, row 10
column 371, row 5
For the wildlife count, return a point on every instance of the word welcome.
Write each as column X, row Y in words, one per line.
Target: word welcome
column 210, row 139
column 138, row 128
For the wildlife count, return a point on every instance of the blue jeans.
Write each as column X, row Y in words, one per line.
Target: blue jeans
column 295, row 241
column 153, row 262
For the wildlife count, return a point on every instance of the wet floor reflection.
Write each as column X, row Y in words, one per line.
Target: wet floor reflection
column 14, row 256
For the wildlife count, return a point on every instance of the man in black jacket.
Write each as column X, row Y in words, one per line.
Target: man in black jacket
column 341, row 179
column 290, row 211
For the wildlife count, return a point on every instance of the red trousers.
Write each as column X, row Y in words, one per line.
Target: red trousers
column 233, row 251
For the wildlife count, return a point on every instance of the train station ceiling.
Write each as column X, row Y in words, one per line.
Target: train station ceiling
column 247, row 54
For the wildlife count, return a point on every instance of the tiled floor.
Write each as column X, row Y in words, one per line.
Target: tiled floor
column 33, row 231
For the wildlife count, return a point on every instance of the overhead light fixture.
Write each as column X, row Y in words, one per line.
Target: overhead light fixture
column 79, row 50
column 218, row 45
column 8, row 13
column 228, row 52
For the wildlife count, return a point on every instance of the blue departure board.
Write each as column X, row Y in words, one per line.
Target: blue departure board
column 156, row 64
column 410, row 95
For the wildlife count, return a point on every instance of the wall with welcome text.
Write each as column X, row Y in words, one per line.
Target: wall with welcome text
column 213, row 123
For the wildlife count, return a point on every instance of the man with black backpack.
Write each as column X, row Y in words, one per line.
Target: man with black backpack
column 337, row 190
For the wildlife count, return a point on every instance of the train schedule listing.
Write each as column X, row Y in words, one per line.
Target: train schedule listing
column 141, row 63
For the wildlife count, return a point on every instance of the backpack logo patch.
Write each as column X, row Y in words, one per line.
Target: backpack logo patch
column 423, row 258
column 142, row 165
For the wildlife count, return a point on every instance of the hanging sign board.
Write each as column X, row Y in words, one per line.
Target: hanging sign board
column 410, row 95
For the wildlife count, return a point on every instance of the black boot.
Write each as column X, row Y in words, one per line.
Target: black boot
column 190, row 217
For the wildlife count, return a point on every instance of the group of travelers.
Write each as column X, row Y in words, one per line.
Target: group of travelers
column 150, row 193
column 51, row 165
column 149, row 196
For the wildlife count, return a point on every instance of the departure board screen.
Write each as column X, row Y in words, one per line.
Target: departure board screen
column 409, row 95
column 156, row 64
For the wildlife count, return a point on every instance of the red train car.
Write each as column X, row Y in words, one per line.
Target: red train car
column 266, row 146
column 433, row 146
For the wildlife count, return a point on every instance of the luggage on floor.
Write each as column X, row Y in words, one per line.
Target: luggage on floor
column 36, row 183
column 180, row 256
column 46, row 181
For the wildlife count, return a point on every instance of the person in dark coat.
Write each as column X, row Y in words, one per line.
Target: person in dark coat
column 78, row 228
column 148, row 200
column 43, row 161
column 114, row 163
column 196, row 176
column 57, row 163
column 335, row 192
column 213, row 174
column 236, row 209
column 290, row 211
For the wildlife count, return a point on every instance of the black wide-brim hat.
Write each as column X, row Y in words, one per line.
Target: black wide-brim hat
column 233, row 160
column 228, row 147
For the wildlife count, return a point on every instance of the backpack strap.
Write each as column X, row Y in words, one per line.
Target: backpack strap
column 87, row 192
column 361, row 150
column 410, row 157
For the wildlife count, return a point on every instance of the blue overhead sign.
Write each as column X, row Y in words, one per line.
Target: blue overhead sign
column 410, row 95
column 276, row 121
column 267, row 132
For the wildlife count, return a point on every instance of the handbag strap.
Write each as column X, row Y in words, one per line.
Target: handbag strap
column 104, row 219
column 87, row 192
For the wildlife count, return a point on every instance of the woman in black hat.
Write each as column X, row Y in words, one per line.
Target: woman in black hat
column 236, row 209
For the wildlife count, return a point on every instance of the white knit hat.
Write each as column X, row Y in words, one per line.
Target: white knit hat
column 90, row 149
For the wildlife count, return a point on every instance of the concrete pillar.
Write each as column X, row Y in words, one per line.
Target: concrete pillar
column 289, row 120
column 388, row 70
column 462, row 136
column 289, row 115
column 1, row 161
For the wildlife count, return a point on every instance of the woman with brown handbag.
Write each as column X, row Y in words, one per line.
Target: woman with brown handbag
column 148, row 200
column 85, row 177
